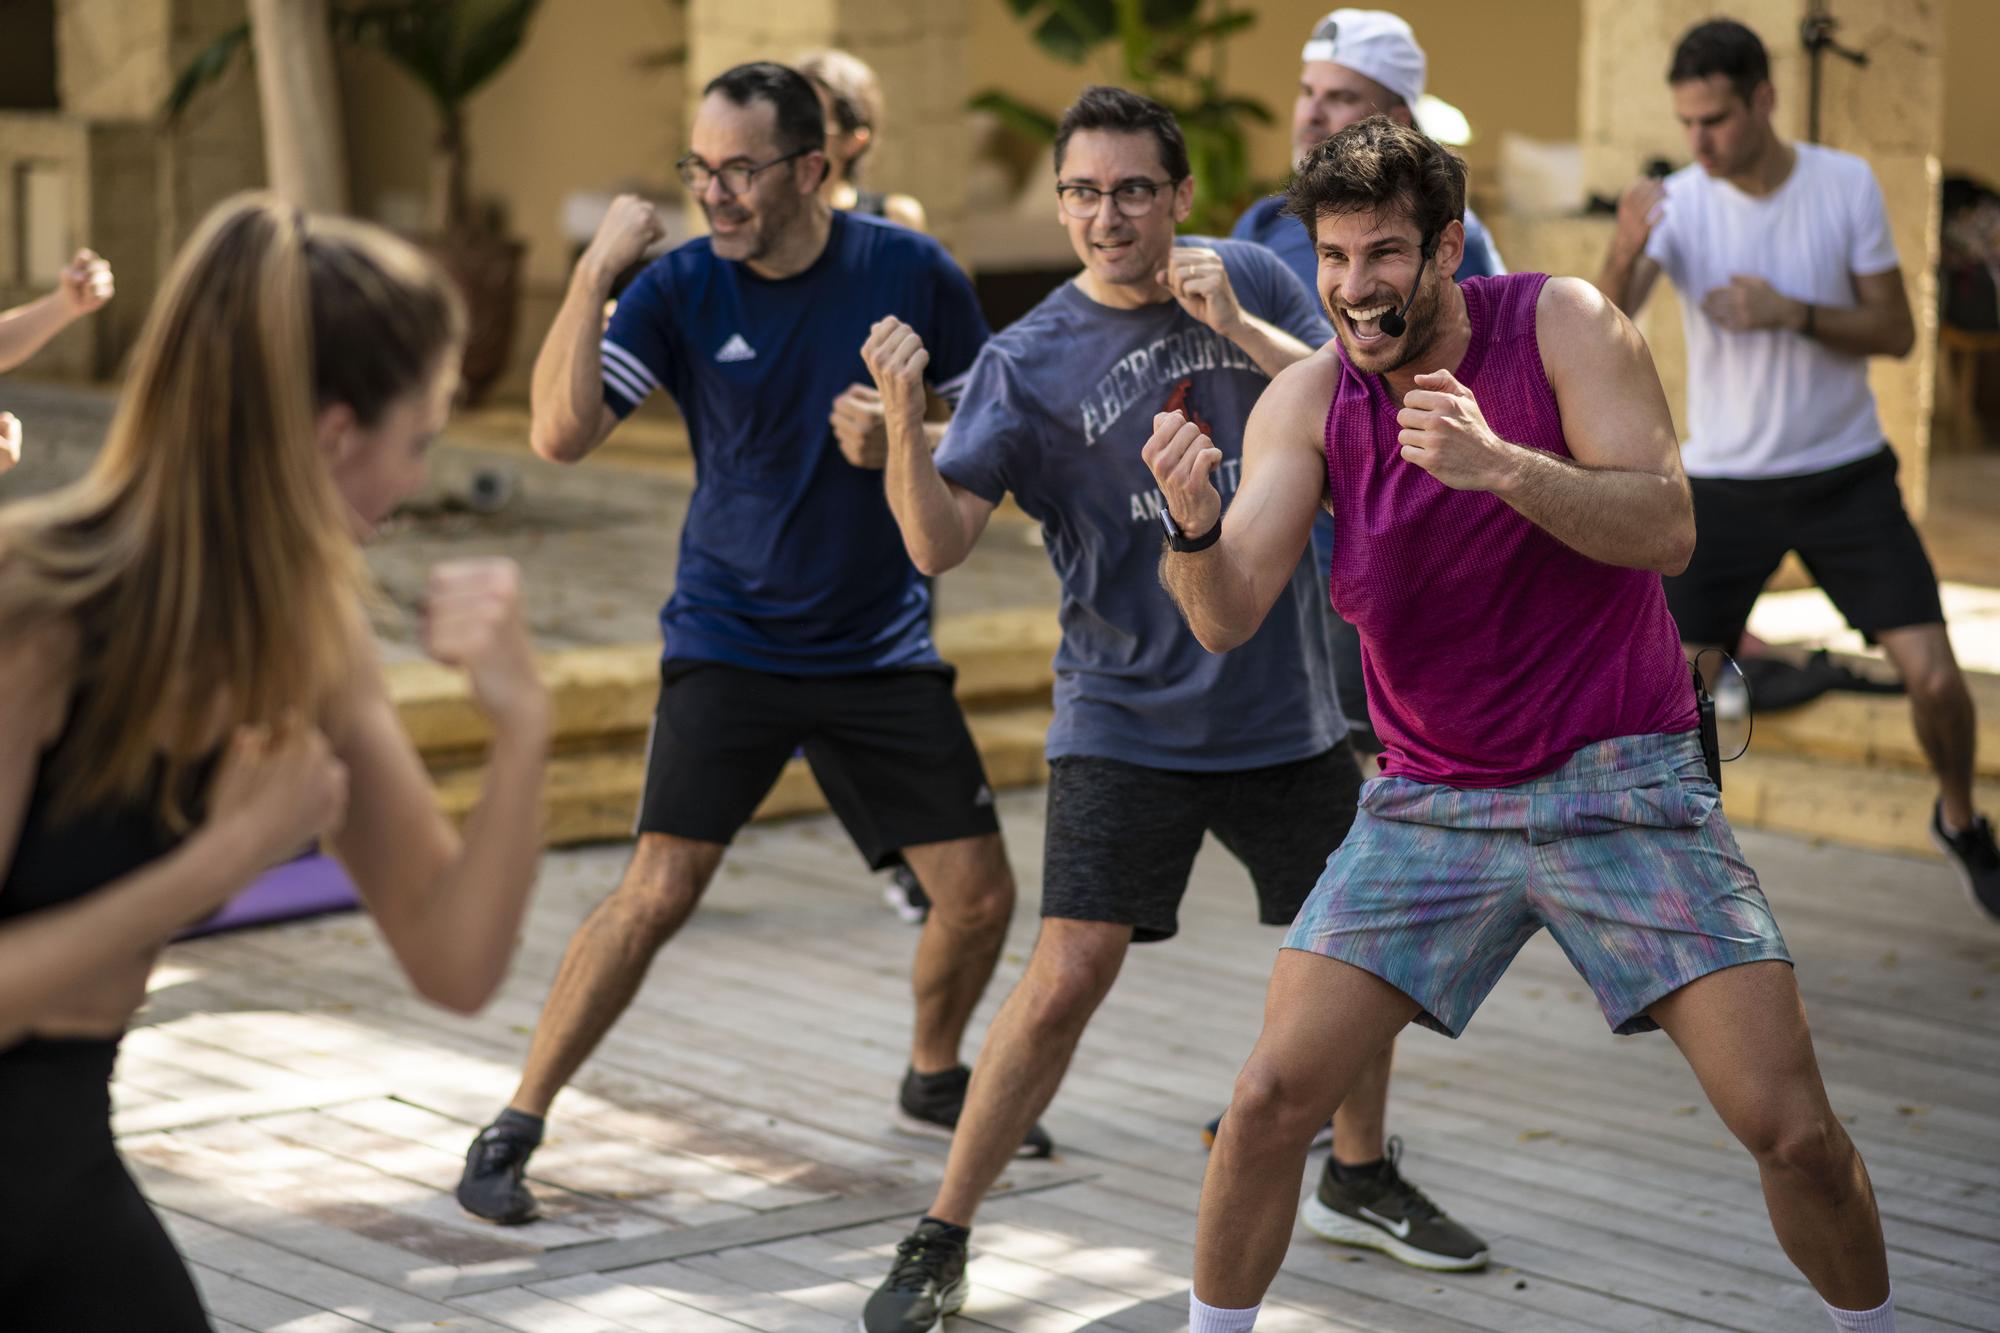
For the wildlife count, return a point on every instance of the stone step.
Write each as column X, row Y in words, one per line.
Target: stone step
column 594, row 795
column 1885, row 809
column 607, row 693
column 1871, row 729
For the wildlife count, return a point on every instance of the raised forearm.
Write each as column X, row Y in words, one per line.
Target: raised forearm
column 458, row 948
column 920, row 498
column 567, row 401
column 1269, row 346
column 1639, row 520
column 1616, row 278
column 26, row 329
column 1214, row 594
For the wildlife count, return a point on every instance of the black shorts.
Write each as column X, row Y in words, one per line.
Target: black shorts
column 1848, row 526
column 1122, row 838
column 889, row 749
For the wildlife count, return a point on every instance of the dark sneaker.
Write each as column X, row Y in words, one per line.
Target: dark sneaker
column 1322, row 1139
column 1389, row 1214
column 491, row 1186
column 929, row 1104
column 927, row 1283
column 906, row 897
column 1975, row 858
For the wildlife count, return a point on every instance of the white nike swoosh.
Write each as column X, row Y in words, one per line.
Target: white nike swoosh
column 1400, row 1230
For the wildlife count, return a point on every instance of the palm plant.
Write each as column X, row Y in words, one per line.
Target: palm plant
column 1172, row 51
column 449, row 47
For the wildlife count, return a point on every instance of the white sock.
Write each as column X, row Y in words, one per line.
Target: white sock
column 1203, row 1318
column 1881, row 1319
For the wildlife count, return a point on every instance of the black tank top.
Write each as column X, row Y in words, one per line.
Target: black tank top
column 56, row 861
column 872, row 202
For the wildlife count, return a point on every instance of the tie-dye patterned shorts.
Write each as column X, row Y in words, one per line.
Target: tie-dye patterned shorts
column 1623, row 853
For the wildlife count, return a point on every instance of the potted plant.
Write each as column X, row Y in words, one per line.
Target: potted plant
column 451, row 48
column 1172, row 51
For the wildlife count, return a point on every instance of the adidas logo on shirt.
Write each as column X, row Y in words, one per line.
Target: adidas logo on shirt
column 736, row 350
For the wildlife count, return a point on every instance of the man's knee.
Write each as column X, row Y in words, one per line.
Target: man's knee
column 979, row 895
column 1265, row 1097
column 1069, row 976
column 661, row 885
column 1934, row 682
column 1811, row 1145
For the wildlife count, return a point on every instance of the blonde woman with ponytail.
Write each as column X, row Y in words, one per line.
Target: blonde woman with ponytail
column 193, row 697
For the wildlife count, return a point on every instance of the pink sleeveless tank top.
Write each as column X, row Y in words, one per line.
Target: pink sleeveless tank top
column 1492, row 652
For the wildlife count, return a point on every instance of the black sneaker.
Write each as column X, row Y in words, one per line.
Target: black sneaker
column 1322, row 1139
column 1389, row 1214
column 926, row 1284
column 1975, row 858
column 929, row 1104
column 906, row 897
column 491, row 1187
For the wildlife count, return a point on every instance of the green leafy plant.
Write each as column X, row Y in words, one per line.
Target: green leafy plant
column 1172, row 51
column 449, row 47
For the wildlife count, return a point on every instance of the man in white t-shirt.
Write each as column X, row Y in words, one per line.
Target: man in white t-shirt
column 1788, row 283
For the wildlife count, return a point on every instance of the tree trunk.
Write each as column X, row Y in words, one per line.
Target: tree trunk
column 305, row 156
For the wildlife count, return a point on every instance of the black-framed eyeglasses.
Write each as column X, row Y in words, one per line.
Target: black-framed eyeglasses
column 1134, row 199
column 736, row 177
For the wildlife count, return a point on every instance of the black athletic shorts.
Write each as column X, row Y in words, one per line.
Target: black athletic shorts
column 1848, row 526
column 1121, row 838
column 889, row 748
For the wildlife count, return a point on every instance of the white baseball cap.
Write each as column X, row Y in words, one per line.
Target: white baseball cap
column 1378, row 45
column 1373, row 43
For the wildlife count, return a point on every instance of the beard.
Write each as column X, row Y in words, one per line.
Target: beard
column 768, row 224
column 1419, row 332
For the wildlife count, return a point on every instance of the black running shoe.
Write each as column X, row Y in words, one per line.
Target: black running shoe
column 926, row 1284
column 491, row 1186
column 1973, row 855
column 1321, row 1138
column 930, row 1104
column 1389, row 1214
column 906, row 896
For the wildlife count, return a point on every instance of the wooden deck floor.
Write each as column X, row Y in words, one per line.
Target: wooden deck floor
column 727, row 1161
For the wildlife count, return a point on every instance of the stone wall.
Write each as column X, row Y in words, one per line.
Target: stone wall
column 1891, row 113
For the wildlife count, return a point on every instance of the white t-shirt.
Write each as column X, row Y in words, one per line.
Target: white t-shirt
column 1773, row 403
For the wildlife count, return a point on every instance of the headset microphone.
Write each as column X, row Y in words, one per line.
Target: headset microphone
column 1394, row 323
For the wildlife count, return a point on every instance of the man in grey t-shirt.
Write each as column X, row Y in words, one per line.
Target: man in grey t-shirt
column 1155, row 741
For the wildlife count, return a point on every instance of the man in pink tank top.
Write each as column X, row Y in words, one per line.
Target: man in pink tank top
column 1506, row 492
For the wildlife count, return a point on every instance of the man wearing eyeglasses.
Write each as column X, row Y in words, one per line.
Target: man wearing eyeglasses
column 796, row 618
column 1155, row 742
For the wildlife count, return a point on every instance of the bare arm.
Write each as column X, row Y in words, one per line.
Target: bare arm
column 85, row 286
column 1620, row 498
column 1878, row 324
column 1225, row 591
column 568, row 415
column 1627, row 276
column 940, row 521
column 451, row 906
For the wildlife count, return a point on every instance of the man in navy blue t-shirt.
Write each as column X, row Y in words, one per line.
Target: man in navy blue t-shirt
column 1357, row 63
column 1155, row 741
column 796, row 620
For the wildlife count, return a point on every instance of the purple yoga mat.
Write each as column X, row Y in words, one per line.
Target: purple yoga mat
column 309, row 886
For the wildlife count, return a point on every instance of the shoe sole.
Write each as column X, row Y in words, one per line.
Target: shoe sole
column 535, row 1216
column 1964, row 876
column 1331, row 1224
column 953, row 1302
column 924, row 1129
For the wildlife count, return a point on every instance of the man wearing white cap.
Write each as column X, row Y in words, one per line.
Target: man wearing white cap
column 1357, row 63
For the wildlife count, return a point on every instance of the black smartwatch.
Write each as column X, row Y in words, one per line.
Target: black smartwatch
column 1180, row 541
